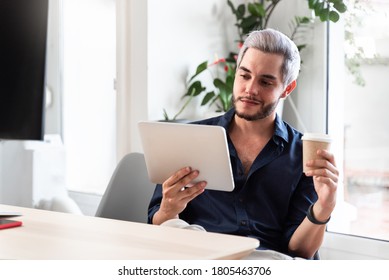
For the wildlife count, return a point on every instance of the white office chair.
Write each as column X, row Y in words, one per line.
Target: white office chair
column 129, row 191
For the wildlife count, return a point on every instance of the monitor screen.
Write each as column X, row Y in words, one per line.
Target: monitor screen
column 23, row 36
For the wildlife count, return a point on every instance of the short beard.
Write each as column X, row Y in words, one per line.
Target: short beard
column 261, row 114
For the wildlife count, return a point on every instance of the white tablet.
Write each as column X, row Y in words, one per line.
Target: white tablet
column 169, row 147
column 9, row 214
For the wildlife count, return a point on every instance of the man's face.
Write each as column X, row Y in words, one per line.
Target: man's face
column 258, row 85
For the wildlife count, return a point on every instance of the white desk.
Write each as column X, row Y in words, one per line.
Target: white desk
column 52, row 235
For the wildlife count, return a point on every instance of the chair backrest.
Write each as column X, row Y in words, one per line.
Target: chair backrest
column 129, row 191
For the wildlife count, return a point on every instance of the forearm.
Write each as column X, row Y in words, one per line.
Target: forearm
column 160, row 217
column 308, row 237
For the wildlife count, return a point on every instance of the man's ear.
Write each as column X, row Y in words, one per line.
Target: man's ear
column 289, row 88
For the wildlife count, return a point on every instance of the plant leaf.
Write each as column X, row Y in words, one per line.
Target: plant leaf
column 303, row 20
column 165, row 115
column 333, row 16
column 340, row 7
column 219, row 84
column 248, row 24
column 195, row 89
column 229, row 3
column 300, row 47
column 200, row 68
column 311, row 4
column 256, row 9
column 225, row 91
column 319, row 7
column 208, row 97
column 240, row 11
column 324, row 14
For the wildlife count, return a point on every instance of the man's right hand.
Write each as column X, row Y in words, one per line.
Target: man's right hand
column 177, row 191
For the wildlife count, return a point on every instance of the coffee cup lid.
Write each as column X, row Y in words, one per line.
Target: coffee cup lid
column 316, row 137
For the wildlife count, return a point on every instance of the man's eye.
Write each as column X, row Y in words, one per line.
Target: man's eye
column 245, row 76
column 266, row 83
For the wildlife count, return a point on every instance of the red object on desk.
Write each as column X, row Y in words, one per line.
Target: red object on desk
column 9, row 224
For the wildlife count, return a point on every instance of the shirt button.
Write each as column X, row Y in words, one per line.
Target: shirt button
column 241, row 199
column 243, row 223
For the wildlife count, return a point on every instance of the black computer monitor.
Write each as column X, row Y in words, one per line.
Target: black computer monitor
column 23, row 37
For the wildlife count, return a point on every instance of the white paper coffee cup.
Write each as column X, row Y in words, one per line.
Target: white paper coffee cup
column 311, row 143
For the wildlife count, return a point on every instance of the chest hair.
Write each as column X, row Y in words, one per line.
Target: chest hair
column 248, row 150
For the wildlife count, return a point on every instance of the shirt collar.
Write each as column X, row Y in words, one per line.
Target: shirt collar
column 280, row 130
column 226, row 119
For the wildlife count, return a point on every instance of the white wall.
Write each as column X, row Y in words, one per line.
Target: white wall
column 31, row 171
column 181, row 35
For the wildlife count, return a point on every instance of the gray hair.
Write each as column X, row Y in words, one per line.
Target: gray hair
column 272, row 41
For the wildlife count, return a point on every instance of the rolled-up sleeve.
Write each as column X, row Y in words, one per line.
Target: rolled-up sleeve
column 155, row 203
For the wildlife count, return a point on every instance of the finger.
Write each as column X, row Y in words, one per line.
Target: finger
column 176, row 177
column 327, row 155
column 325, row 176
column 326, row 162
column 181, row 179
column 326, row 181
column 190, row 193
column 323, row 168
column 188, row 179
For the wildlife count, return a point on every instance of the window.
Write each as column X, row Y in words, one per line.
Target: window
column 81, row 103
column 358, row 102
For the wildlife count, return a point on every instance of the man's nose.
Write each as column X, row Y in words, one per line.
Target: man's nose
column 251, row 88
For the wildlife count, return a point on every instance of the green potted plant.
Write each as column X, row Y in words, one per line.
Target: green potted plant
column 253, row 15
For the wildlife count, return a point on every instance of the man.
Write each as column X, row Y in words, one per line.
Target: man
column 273, row 200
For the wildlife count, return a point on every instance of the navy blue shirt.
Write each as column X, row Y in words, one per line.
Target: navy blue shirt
column 268, row 204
